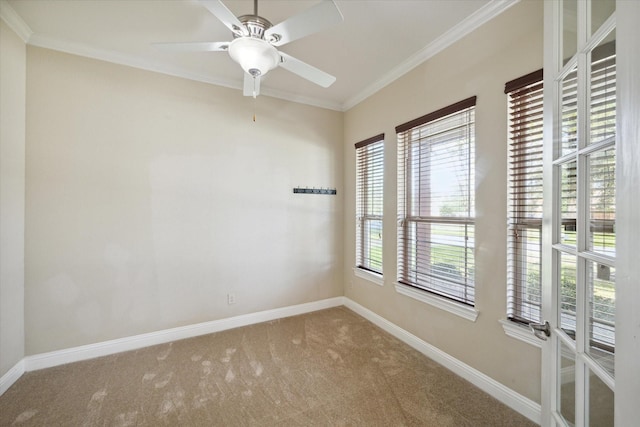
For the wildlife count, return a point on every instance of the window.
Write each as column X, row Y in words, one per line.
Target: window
column 524, row 198
column 369, row 191
column 436, row 210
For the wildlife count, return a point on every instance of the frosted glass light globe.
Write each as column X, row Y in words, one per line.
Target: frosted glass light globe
column 255, row 56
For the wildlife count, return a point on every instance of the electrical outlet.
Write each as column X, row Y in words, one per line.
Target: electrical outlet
column 231, row 299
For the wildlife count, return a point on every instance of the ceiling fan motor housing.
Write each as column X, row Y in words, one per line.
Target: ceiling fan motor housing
column 257, row 25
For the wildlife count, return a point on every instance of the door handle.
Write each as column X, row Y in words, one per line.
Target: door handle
column 541, row 330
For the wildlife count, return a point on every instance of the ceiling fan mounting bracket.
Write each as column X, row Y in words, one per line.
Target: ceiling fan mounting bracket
column 256, row 25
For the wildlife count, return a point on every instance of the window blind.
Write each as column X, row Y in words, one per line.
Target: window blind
column 436, row 210
column 369, row 203
column 525, row 98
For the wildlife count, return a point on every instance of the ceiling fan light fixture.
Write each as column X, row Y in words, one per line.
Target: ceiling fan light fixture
column 256, row 57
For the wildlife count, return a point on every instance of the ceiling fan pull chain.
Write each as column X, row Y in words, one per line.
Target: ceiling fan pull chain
column 254, row 87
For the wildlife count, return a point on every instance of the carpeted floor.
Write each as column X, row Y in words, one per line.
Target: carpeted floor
column 327, row 368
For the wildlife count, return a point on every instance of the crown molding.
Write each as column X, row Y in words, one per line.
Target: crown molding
column 469, row 24
column 14, row 21
column 17, row 24
column 88, row 51
column 478, row 18
column 314, row 102
column 135, row 62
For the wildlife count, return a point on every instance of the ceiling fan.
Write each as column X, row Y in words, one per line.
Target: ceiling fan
column 255, row 40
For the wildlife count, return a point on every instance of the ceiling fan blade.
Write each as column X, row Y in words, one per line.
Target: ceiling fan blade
column 306, row 71
column 193, row 46
column 220, row 11
column 251, row 85
column 319, row 17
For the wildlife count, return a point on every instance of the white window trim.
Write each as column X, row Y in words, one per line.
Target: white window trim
column 370, row 276
column 453, row 307
column 520, row 332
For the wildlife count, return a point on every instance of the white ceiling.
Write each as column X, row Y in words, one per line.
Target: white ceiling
column 377, row 42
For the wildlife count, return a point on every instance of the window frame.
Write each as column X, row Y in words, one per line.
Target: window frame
column 434, row 291
column 369, row 180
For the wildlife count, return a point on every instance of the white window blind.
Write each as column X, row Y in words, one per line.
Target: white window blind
column 369, row 200
column 436, row 210
column 524, row 198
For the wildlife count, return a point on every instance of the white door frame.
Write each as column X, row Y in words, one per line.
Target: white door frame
column 549, row 298
column 628, row 214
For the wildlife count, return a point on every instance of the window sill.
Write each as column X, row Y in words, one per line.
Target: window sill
column 458, row 309
column 520, row 332
column 369, row 276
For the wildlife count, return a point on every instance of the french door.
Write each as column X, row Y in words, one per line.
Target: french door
column 579, row 232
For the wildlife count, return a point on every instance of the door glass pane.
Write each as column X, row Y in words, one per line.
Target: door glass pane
column 603, row 90
column 567, row 384
column 568, row 294
column 568, row 176
column 602, row 202
column 569, row 111
column 601, row 399
column 600, row 11
column 602, row 314
column 569, row 29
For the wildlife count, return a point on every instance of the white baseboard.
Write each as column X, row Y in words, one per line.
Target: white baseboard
column 517, row 402
column 512, row 399
column 11, row 376
column 105, row 348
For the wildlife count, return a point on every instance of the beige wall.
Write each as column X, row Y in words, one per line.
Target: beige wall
column 150, row 197
column 12, row 170
column 480, row 64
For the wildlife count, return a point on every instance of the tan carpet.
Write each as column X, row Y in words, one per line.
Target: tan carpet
column 327, row 368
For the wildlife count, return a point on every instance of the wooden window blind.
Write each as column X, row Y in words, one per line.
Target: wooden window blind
column 369, row 203
column 436, row 207
column 525, row 96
